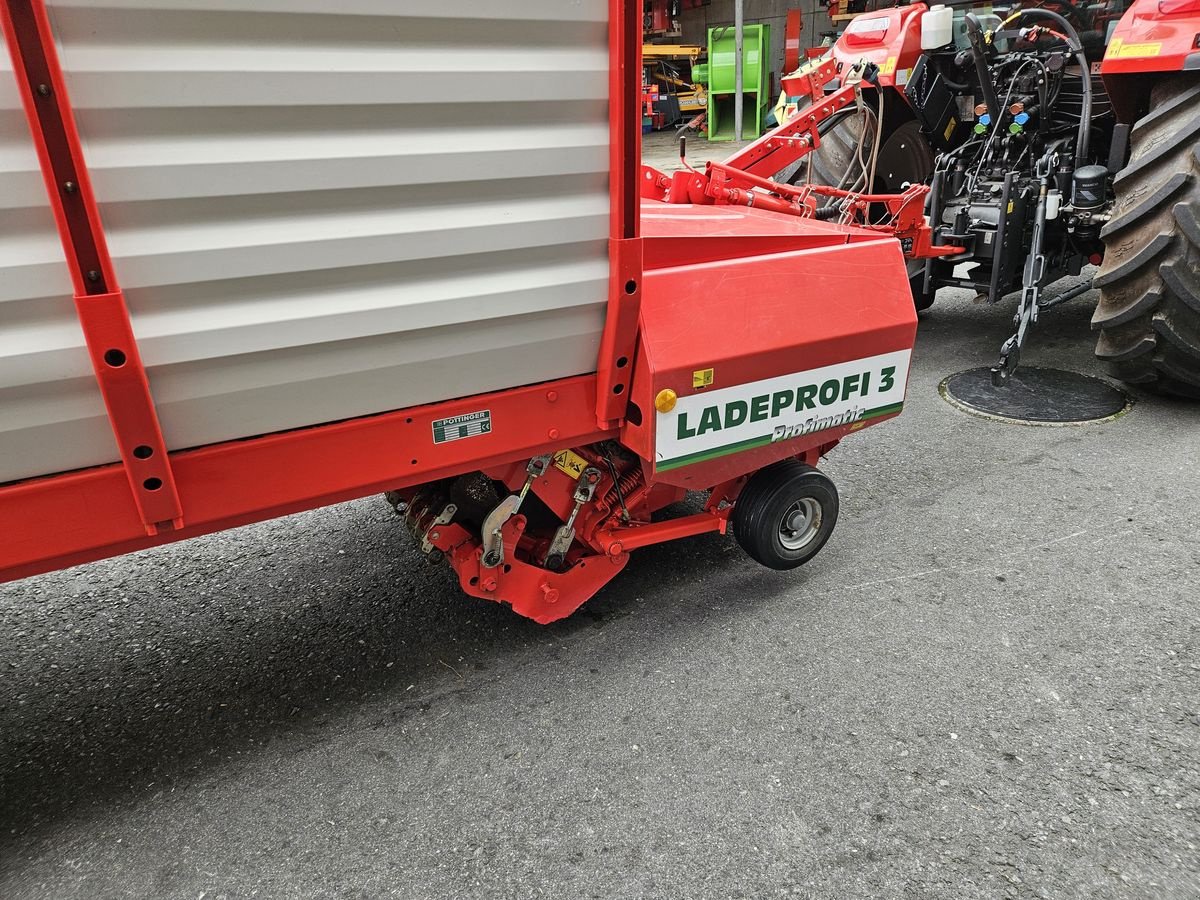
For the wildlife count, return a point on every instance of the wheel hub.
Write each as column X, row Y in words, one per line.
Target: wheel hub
column 800, row 523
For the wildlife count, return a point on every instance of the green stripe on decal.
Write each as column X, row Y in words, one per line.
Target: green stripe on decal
column 705, row 455
column 753, row 443
column 883, row 411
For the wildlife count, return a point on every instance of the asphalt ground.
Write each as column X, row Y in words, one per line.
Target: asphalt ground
column 987, row 685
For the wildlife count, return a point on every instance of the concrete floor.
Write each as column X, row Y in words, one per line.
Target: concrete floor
column 661, row 150
column 987, row 685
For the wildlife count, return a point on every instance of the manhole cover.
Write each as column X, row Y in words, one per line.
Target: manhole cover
column 1036, row 396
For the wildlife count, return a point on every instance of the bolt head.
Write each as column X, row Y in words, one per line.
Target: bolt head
column 553, row 434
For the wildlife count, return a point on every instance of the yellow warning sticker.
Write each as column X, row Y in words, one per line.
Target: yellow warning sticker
column 1118, row 49
column 702, row 378
column 888, row 67
column 571, row 463
column 950, row 128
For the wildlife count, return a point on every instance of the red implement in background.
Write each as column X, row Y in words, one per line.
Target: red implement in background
column 744, row 179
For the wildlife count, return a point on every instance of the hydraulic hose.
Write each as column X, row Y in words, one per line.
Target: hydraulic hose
column 1075, row 46
column 975, row 36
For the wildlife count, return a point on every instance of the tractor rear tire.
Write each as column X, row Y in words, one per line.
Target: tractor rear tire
column 1149, row 311
column 785, row 514
column 836, row 154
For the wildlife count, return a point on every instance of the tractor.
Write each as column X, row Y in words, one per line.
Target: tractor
column 1052, row 138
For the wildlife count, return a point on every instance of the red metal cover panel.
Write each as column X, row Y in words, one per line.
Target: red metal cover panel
column 739, row 325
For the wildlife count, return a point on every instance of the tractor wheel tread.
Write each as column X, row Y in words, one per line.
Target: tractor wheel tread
column 1148, row 316
column 1189, row 224
column 1115, row 347
column 1145, row 205
column 1144, row 303
column 1141, row 257
column 1175, row 384
column 1177, row 339
column 1168, row 141
column 1183, row 100
column 1181, row 279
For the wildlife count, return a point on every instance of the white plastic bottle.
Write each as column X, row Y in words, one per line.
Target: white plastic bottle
column 937, row 27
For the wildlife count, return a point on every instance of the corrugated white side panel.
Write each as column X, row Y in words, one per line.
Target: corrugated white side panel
column 51, row 416
column 317, row 211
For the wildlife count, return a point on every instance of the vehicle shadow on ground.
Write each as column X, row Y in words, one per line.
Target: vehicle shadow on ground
column 175, row 681
column 1061, row 336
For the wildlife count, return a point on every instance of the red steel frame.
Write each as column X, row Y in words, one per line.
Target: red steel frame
column 99, row 302
column 625, row 244
column 48, row 523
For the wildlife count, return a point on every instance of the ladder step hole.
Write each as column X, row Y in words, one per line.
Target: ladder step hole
column 114, row 358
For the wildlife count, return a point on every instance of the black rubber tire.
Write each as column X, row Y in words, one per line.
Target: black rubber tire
column 1149, row 311
column 760, row 509
column 835, row 155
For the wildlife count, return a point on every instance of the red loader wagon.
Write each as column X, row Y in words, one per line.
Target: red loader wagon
column 261, row 256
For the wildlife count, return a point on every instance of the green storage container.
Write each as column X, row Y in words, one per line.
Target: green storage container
column 722, row 80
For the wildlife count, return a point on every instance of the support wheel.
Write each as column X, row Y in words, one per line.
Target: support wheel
column 785, row 514
column 1149, row 311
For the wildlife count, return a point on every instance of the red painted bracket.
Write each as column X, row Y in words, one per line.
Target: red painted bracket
column 791, row 46
column 101, row 307
column 619, row 340
column 615, row 364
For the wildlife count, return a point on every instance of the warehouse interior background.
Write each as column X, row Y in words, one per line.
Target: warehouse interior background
column 696, row 21
column 690, row 63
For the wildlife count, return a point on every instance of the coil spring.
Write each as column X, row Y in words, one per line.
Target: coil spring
column 629, row 482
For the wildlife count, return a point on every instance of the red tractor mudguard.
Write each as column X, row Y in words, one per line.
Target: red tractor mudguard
column 890, row 38
column 1152, row 38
